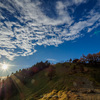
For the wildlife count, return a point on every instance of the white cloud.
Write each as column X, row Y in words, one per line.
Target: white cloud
column 79, row 26
column 90, row 29
column 79, row 1
column 31, row 26
column 49, row 59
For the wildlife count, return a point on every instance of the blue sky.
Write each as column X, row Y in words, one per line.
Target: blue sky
column 38, row 30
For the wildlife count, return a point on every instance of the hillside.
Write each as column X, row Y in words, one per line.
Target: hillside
column 67, row 78
column 61, row 81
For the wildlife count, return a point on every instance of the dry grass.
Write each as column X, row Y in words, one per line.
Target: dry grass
column 70, row 95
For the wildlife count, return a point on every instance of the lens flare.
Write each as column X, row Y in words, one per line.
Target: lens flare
column 4, row 66
column 97, row 32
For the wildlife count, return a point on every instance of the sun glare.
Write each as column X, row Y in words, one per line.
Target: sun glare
column 4, row 66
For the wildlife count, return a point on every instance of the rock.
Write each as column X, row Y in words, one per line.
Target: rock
column 32, row 81
column 86, row 69
column 74, row 84
column 90, row 91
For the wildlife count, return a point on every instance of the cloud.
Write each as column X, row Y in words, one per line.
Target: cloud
column 24, row 25
column 53, row 60
column 79, row 1
column 97, row 24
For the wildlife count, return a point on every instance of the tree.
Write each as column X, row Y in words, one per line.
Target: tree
column 50, row 72
column 75, row 60
column 19, row 70
column 47, row 64
column 98, row 56
column 89, row 58
column 70, row 60
column 95, row 58
column 35, row 69
column 7, row 76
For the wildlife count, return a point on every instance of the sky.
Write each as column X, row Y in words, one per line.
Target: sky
column 55, row 30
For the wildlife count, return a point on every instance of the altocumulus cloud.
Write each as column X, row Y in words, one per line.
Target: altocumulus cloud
column 24, row 24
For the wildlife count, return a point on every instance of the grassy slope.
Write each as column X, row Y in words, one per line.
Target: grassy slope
column 63, row 80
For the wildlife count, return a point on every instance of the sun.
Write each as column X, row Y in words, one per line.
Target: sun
column 4, row 66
